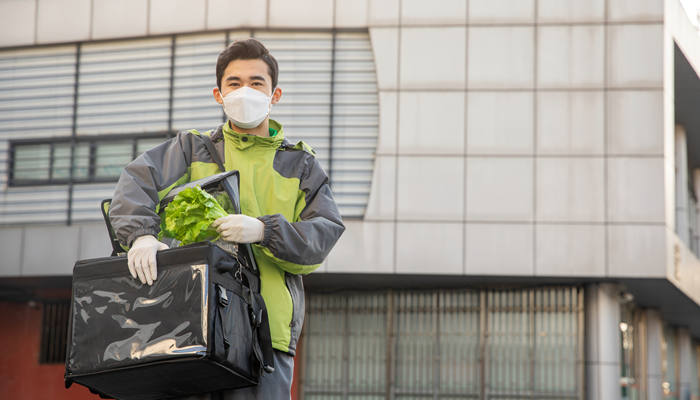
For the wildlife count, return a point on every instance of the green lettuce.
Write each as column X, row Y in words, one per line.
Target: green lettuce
column 189, row 215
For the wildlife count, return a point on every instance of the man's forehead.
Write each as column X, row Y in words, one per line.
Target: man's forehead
column 246, row 69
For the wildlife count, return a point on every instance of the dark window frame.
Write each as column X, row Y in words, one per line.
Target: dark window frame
column 92, row 141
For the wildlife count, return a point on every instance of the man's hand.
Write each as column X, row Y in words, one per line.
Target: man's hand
column 142, row 258
column 240, row 228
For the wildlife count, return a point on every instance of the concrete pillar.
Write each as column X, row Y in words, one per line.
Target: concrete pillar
column 681, row 167
column 602, row 342
column 654, row 333
column 696, row 228
column 685, row 362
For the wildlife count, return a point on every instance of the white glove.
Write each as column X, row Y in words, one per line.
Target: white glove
column 240, row 228
column 142, row 258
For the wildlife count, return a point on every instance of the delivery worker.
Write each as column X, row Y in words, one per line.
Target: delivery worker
column 287, row 208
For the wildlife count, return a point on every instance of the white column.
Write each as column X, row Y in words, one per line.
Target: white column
column 685, row 373
column 654, row 378
column 696, row 185
column 602, row 342
column 681, row 167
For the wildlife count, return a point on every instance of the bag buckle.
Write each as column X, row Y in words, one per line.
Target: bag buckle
column 223, row 298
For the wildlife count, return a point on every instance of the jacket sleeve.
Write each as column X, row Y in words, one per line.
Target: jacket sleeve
column 142, row 184
column 300, row 247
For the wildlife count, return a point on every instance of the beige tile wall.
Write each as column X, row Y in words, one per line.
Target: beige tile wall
column 516, row 137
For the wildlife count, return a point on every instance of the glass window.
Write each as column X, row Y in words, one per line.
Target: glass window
column 111, row 158
column 81, row 161
column 31, row 162
column 143, row 145
column 518, row 343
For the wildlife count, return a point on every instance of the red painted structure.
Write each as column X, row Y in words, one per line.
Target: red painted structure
column 21, row 375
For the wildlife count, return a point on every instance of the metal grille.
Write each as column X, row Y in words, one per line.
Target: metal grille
column 54, row 330
column 484, row 344
column 156, row 86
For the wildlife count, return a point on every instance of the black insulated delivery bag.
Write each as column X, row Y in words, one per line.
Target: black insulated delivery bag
column 201, row 327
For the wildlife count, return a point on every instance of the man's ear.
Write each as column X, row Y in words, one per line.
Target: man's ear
column 276, row 96
column 217, row 96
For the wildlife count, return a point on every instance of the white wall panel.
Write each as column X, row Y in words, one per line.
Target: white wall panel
column 635, row 122
column 636, row 250
column 63, row 20
column 570, row 10
column 17, row 22
column 570, row 122
column 634, row 189
column 500, row 57
column 226, row 14
column 301, row 13
column 168, row 16
column 635, row 10
column 634, row 55
column 570, row 189
column 351, row 13
column 426, row 13
column 428, row 123
column 432, row 58
column 488, row 132
column 570, row 250
column 123, row 18
column 486, row 244
column 570, row 56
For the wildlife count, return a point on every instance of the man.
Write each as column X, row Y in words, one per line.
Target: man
column 288, row 211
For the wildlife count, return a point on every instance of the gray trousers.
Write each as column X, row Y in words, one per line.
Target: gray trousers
column 274, row 386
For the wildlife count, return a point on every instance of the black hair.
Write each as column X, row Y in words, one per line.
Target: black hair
column 248, row 49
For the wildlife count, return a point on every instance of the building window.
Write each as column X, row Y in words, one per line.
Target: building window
column 65, row 96
column 446, row 343
column 95, row 159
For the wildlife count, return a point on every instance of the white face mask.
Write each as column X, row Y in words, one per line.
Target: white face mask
column 247, row 108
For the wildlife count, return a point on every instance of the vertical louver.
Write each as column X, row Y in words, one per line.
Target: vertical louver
column 157, row 86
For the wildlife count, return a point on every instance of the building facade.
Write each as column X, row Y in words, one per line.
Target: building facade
column 518, row 180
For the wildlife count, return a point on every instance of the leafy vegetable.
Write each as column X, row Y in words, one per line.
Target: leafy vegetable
column 224, row 201
column 189, row 215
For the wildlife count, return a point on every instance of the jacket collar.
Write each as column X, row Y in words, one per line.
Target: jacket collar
column 243, row 141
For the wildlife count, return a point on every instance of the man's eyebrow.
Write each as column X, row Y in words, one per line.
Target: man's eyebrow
column 257, row 78
column 233, row 78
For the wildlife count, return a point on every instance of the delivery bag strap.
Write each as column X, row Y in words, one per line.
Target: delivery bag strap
column 215, row 156
column 212, row 151
column 262, row 346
